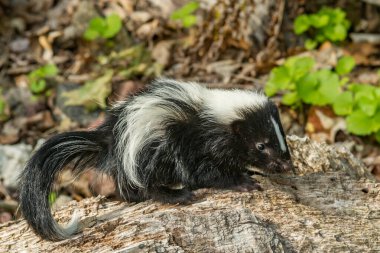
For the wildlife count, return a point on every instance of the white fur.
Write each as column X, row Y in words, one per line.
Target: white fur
column 225, row 104
column 279, row 135
column 143, row 119
column 70, row 228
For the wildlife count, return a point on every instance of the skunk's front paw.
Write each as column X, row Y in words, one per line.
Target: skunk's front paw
column 247, row 184
column 167, row 195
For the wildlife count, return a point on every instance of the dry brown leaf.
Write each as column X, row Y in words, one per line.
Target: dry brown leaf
column 323, row 124
column 92, row 94
column 161, row 52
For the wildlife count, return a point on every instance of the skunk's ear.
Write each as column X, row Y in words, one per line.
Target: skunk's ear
column 237, row 127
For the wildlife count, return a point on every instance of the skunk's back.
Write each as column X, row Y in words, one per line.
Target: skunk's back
column 143, row 119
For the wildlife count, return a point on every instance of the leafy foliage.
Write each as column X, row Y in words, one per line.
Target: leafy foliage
column 365, row 116
column 345, row 65
column 185, row 14
column 125, row 64
column 359, row 103
column 319, row 88
column 37, row 77
column 3, row 106
column 105, row 28
column 328, row 24
column 93, row 94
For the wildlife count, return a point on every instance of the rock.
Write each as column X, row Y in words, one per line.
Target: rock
column 12, row 161
column 19, row 45
column 22, row 102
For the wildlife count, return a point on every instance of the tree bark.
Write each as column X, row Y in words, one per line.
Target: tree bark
column 330, row 204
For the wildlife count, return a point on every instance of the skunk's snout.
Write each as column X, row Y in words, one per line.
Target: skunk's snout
column 287, row 166
column 281, row 166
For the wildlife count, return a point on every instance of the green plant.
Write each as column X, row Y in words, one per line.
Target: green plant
column 299, row 83
column 285, row 79
column 328, row 24
column 37, row 77
column 52, row 198
column 105, row 28
column 185, row 14
column 360, row 104
column 3, row 106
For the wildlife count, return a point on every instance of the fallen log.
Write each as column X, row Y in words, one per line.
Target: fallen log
column 330, row 204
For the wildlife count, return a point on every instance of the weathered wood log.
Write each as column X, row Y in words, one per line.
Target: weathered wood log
column 331, row 204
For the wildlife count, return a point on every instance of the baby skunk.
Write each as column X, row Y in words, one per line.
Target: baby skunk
column 171, row 133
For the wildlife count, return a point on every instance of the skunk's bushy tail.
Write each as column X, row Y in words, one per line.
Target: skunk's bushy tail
column 83, row 150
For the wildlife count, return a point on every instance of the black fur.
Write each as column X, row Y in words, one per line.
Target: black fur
column 198, row 152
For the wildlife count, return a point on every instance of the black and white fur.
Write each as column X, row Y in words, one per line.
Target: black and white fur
column 171, row 133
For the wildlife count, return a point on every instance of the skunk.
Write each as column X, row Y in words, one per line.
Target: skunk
column 171, row 133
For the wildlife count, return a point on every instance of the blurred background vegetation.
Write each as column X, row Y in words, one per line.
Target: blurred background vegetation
column 63, row 62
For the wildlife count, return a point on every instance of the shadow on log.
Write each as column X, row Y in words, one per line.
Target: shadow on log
column 332, row 204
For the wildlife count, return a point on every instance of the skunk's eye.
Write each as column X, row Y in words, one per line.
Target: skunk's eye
column 260, row 146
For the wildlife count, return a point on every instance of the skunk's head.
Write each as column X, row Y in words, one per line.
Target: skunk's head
column 260, row 132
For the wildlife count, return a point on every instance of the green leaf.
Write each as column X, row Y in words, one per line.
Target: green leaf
column 97, row 24
column 367, row 104
column 310, row 44
column 271, row 89
column 329, row 86
column 49, row 70
column 103, row 27
column 337, row 15
column 2, row 106
column 280, row 77
column 319, row 88
column 113, row 26
column 320, row 37
column 185, row 10
column 189, row 21
column 306, row 88
column 91, row 34
column 344, row 81
column 361, row 88
column 297, row 67
column 92, row 94
column 318, row 20
column 345, row 65
column 377, row 136
column 301, row 24
column 336, row 32
column 38, row 86
column 346, row 23
column 376, row 121
column 344, row 103
column 359, row 123
column 52, row 197
column 377, row 93
column 290, row 98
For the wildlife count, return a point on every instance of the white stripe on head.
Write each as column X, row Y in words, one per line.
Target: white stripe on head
column 279, row 135
column 224, row 105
